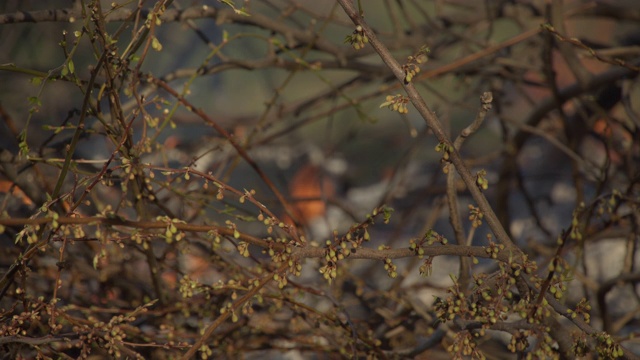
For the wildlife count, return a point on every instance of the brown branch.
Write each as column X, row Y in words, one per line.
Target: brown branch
column 434, row 124
column 540, row 112
column 452, row 193
column 57, row 15
column 567, row 93
column 144, row 225
column 595, row 54
column 476, row 56
column 224, row 316
column 122, row 14
column 221, row 15
column 300, row 253
column 241, row 151
column 555, row 16
column 562, row 310
column 37, row 341
column 369, row 70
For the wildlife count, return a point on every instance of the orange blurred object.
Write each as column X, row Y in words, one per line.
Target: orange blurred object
column 615, row 134
column 309, row 188
column 9, row 187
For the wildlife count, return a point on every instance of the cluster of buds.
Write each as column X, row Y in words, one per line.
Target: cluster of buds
column 464, row 346
column 433, row 237
column 329, row 271
column 357, row 39
column 416, row 248
column 607, row 348
column 493, row 249
column 426, row 267
column 171, row 232
column 456, row 304
column 481, row 180
column 396, row 103
column 519, row 341
column 475, row 216
column 412, row 67
column 446, row 149
column 391, row 268
column 582, row 309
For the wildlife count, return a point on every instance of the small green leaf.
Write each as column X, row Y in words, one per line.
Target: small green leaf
column 241, row 11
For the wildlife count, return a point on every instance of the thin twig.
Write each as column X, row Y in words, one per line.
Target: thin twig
column 434, row 124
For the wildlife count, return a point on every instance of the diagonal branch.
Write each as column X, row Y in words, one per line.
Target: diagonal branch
column 241, row 151
column 434, row 124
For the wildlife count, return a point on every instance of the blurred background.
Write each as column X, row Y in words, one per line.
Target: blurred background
column 561, row 137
